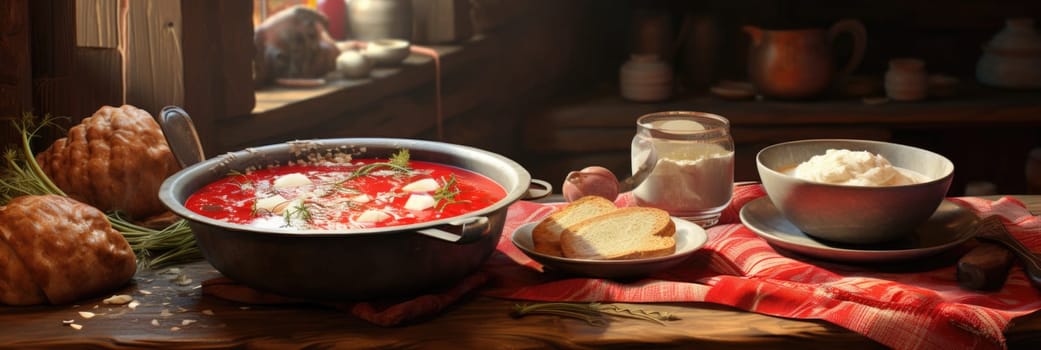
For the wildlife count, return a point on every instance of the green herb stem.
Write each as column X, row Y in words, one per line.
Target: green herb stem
column 593, row 313
column 27, row 121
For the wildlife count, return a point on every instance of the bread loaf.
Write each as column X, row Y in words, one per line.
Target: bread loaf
column 546, row 235
column 625, row 233
column 56, row 250
column 114, row 160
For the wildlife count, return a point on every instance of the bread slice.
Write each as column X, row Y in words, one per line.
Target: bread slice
column 626, row 233
column 546, row 235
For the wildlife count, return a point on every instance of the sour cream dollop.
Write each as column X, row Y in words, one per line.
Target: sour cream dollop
column 855, row 168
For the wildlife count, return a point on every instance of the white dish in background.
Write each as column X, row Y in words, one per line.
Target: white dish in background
column 300, row 82
column 734, row 90
column 689, row 238
column 387, row 51
column 948, row 227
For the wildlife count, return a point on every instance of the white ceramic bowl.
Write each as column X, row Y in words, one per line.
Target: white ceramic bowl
column 352, row 64
column 386, row 52
column 854, row 214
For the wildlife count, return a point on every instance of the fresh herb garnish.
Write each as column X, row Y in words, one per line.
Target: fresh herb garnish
column 397, row 162
column 446, row 194
column 340, row 188
column 593, row 313
column 299, row 211
column 242, row 179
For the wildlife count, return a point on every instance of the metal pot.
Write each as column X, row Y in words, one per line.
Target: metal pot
column 343, row 265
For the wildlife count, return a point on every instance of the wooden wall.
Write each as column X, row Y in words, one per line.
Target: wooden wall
column 15, row 72
column 141, row 53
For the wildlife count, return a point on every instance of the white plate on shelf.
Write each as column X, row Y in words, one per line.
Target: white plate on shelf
column 300, row 82
column 689, row 238
column 948, row 227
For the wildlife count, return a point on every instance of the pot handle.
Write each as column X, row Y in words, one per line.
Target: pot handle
column 538, row 189
column 470, row 230
column 181, row 136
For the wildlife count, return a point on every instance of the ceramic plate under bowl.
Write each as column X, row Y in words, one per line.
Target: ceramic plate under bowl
column 689, row 238
column 948, row 227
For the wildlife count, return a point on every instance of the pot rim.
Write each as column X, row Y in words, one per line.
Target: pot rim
column 359, row 145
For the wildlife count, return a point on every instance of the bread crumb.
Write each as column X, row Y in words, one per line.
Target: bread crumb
column 76, row 326
column 118, row 299
column 87, row 315
column 133, row 304
column 182, row 280
column 207, row 312
column 155, row 322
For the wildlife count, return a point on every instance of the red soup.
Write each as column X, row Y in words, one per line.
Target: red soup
column 364, row 193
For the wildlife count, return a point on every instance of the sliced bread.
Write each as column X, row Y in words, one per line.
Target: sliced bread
column 546, row 235
column 625, row 233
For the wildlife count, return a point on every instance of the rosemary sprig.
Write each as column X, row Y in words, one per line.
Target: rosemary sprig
column 23, row 176
column 593, row 313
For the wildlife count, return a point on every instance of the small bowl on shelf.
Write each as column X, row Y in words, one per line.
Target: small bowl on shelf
column 941, row 85
column 733, row 90
column 386, row 52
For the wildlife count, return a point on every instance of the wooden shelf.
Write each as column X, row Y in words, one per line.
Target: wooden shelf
column 986, row 132
column 281, row 112
column 977, row 106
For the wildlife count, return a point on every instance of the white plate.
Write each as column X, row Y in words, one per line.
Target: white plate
column 948, row 227
column 689, row 238
column 300, row 82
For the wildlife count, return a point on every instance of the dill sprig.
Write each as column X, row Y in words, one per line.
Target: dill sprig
column 397, row 162
column 22, row 176
column 299, row 211
column 446, row 194
column 596, row 314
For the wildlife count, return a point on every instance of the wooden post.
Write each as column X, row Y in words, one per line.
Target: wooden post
column 99, row 63
column 16, row 70
column 218, row 64
column 155, row 75
column 53, row 63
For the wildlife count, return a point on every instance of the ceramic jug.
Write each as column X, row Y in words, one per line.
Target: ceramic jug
column 1012, row 58
column 380, row 19
column 799, row 63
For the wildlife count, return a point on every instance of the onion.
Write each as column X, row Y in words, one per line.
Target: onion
column 590, row 181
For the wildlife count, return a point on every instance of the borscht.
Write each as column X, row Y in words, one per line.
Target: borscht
column 350, row 194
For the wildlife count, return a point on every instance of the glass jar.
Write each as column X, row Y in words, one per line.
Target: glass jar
column 693, row 164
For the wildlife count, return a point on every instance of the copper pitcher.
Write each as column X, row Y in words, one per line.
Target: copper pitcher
column 799, row 63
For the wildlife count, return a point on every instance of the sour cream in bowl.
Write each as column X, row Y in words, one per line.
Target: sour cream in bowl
column 854, row 191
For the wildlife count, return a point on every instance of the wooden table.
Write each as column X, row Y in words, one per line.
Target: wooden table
column 172, row 315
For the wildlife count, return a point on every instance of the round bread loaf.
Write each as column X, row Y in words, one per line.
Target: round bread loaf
column 56, row 250
column 113, row 160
